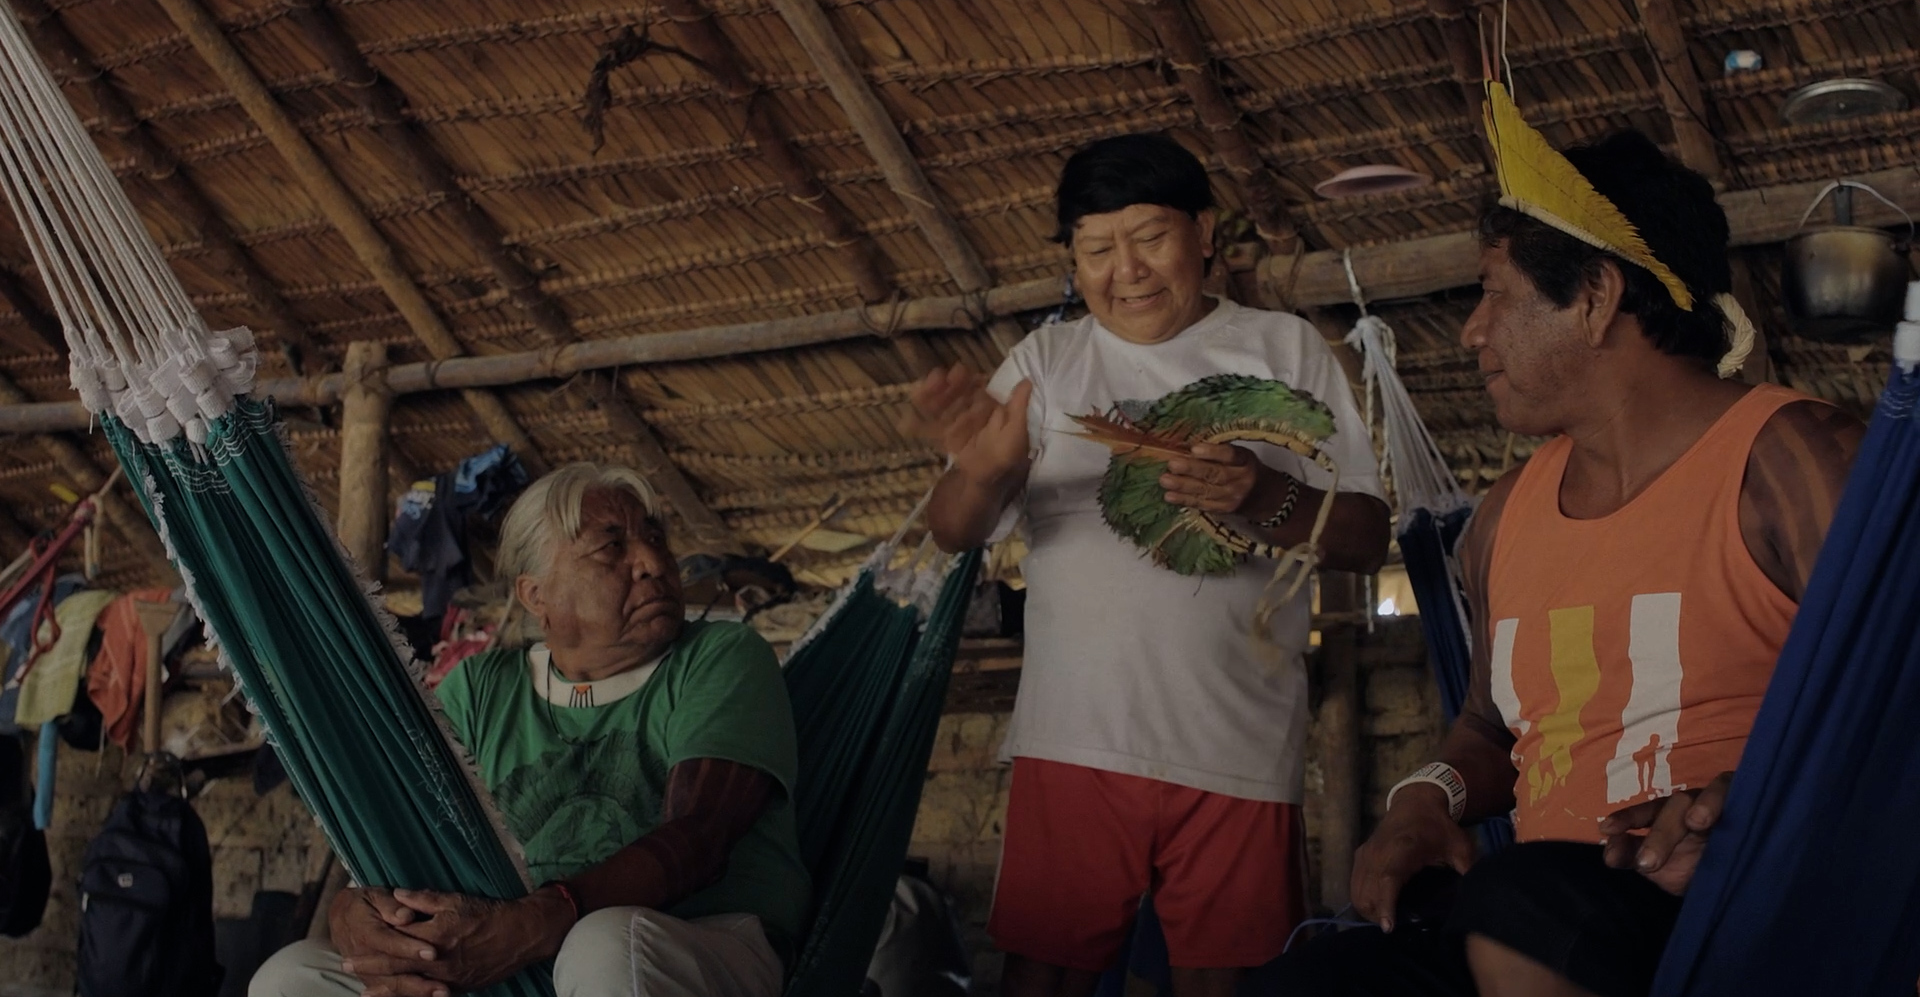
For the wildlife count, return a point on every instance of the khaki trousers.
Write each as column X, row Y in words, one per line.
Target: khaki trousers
column 616, row 952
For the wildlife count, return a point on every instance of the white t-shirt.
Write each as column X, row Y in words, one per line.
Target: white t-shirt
column 1130, row 667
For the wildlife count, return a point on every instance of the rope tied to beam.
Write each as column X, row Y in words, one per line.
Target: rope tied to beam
column 626, row 47
column 896, row 313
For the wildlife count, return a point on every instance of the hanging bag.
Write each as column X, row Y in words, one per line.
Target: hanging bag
column 146, row 902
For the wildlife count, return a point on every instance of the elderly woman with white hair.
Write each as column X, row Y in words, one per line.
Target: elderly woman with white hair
column 646, row 764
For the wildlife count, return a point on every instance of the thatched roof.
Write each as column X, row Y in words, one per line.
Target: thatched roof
column 737, row 183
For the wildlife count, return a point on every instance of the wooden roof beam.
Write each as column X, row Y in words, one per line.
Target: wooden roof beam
column 1180, row 37
column 386, row 106
column 1397, row 270
column 155, row 163
column 947, row 312
column 703, row 38
column 344, row 211
column 1463, row 51
column 888, row 147
column 1680, row 92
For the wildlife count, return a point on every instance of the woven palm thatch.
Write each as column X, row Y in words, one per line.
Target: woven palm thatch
column 734, row 176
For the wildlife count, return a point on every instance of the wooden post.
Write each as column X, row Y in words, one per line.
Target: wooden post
column 155, row 618
column 363, row 458
column 1339, row 729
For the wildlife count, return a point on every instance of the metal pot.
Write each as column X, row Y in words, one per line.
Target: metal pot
column 1843, row 283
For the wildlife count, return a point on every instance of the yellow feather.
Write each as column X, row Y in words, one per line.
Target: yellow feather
column 1537, row 180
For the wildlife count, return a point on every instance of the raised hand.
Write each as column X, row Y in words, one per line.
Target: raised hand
column 1415, row 834
column 953, row 412
column 1676, row 829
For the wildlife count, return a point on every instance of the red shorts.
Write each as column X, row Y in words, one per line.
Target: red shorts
column 1082, row 846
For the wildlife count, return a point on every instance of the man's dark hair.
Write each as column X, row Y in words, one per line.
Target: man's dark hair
column 1117, row 172
column 1674, row 209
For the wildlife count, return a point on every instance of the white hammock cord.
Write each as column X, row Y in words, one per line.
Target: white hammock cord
column 139, row 349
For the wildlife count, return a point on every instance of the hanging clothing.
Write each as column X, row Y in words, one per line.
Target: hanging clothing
column 53, row 681
column 117, row 679
column 429, row 528
column 1638, row 672
column 16, row 646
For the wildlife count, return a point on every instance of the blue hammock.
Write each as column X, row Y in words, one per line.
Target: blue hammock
column 1427, row 544
column 1811, row 882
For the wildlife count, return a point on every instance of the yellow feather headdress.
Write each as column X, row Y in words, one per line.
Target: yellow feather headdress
column 1537, row 181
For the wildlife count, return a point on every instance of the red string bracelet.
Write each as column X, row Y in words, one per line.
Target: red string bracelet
column 567, row 894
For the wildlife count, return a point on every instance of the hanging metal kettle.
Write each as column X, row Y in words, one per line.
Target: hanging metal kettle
column 1844, row 282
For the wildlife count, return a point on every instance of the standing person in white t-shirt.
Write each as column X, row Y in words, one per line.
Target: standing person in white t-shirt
column 1153, row 747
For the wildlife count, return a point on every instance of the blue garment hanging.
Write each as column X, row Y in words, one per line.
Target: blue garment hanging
column 1810, row 883
column 1427, row 542
column 1426, row 546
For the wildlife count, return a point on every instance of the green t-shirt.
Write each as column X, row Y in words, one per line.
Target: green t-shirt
column 578, row 783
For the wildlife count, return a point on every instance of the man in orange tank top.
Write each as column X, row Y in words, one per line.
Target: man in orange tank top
column 1630, row 588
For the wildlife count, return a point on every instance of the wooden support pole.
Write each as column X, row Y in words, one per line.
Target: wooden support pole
column 343, row 211
column 1463, row 52
column 702, row 37
column 1180, row 39
column 386, row 105
column 1680, row 92
column 1339, row 739
column 883, row 141
column 363, row 458
column 154, row 162
column 655, row 347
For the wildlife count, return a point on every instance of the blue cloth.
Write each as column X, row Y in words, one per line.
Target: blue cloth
column 1810, row 883
column 43, row 783
column 429, row 527
column 1427, row 545
column 15, row 632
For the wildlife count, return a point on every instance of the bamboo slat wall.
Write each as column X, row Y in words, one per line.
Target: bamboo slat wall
column 681, row 218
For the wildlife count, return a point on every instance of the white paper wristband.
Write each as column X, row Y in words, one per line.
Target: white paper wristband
column 1444, row 776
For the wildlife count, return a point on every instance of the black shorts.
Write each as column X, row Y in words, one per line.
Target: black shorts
column 1553, row 901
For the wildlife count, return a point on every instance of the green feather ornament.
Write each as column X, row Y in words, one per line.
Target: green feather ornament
column 1224, row 408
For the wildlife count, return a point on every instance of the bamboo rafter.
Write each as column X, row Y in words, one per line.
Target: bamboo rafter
column 878, row 396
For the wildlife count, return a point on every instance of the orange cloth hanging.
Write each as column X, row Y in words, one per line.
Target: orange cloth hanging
column 117, row 679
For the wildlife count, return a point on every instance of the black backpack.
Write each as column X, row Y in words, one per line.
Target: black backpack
column 146, row 903
column 25, row 875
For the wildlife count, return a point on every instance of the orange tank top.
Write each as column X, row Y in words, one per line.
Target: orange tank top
column 1630, row 652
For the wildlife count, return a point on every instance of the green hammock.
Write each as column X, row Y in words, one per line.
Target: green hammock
column 867, row 692
column 362, row 744
column 366, row 750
